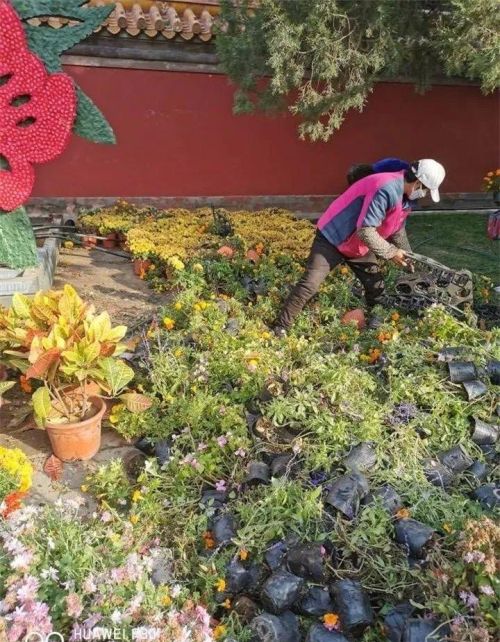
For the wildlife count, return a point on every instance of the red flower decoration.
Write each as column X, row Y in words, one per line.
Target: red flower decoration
column 12, row 502
column 37, row 111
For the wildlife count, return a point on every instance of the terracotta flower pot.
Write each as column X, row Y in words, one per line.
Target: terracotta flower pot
column 355, row 315
column 79, row 440
column 141, row 266
column 89, row 241
column 110, row 241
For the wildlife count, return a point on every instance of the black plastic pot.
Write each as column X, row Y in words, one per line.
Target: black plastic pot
column 145, row 445
column 387, row 497
column 474, row 389
column 456, row 459
column 257, row 473
column 163, row 451
column 478, row 470
column 413, row 536
column 450, row 354
column 490, row 453
column 437, row 474
column 361, row 458
column 461, row 371
column 484, row 433
column 245, row 608
column 281, row 466
column 258, row 574
column 272, row 628
column 275, row 555
column 213, row 499
column 395, row 621
column 237, row 577
column 318, row 633
column 316, row 602
column 224, row 529
column 493, row 370
column 353, row 606
column 420, row 630
column 488, row 495
column 281, row 590
column 346, row 494
column 308, row 561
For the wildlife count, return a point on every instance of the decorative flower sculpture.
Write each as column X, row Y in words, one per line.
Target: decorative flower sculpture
column 37, row 111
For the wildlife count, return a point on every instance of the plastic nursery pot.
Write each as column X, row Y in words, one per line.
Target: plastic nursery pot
column 110, row 241
column 258, row 574
column 437, row 474
column 224, row 529
column 281, row 590
column 356, row 316
column 78, row 440
column 145, row 445
column 275, row 555
column 89, row 241
column 237, row 577
column 488, row 495
column 245, row 608
column 258, row 473
column 141, row 266
column 318, row 633
column 490, row 453
column 281, row 466
column 420, row 630
column 395, row 621
column 478, row 470
column 272, row 628
column 163, row 451
column 456, row 459
column 213, row 499
column 353, row 605
column 493, row 370
column 474, row 389
column 346, row 494
column 484, row 433
column 316, row 602
column 413, row 536
column 461, row 371
column 387, row 497
column 362, row 457
column 450, row 354
column 308, row 561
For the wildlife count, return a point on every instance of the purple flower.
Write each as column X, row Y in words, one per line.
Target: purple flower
column 469, row 599
column 222, row 441
column 221, row 485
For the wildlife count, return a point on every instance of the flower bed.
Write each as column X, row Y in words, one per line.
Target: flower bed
column 334, row 482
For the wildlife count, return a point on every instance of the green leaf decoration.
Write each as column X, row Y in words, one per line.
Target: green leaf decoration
column 17, row 241
column 41, row 405
column 116, row 374
column 136, row 402
column 6, row 385
column 91, row 123
column 48, row 44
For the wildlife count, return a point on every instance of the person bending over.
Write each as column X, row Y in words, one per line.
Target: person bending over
column 364, row 224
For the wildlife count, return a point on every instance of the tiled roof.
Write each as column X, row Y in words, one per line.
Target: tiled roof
column 185, row 20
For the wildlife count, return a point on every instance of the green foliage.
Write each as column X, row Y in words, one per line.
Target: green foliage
column 50, row 44
column 17, row 241
column 328, row 55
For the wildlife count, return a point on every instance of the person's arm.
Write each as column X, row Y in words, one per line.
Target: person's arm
column 378, row 245
column 400, row 240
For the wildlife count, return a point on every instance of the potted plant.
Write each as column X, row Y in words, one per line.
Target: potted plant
column 69, row 353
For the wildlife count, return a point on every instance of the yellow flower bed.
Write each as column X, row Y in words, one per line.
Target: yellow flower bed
column 15, row 463
column 179, row 233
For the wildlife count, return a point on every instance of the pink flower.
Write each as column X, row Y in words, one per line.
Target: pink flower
column 202, row 446
column 28, row 590
column 222, row 441
column 74, row 606
column 89, row 586
column 22, row 561
column 240, row 453
column 469, row 599
column 106, row 517
column 221, row 485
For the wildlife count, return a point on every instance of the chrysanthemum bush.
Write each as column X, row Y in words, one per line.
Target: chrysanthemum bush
column 15, row 479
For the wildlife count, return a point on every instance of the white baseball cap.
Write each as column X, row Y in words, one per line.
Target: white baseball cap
column 431, row 174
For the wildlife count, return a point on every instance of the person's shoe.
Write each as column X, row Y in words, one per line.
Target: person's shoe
column 374, row 322
column 279, row 331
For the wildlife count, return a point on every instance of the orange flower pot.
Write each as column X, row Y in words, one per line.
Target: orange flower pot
column 79, row 440
column 89, row 242
column 356, row 315
column 141, row 266
column 110, row 241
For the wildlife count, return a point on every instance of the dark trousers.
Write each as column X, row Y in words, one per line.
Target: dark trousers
column 324, row 257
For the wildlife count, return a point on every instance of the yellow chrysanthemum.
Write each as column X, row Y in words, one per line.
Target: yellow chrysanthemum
column 15, row 463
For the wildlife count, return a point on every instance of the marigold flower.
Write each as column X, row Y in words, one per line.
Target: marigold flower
column 395, row 316
column 220, row 585
column 178, row 305
column 331, row 621
column 243, row 553
column 134, row 519
column 169, row 323
column 137, row 496
column 403, row 513
column 219, row 631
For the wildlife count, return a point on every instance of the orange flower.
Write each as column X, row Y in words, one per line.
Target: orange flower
column 331, row 621
column 374, row 355
column 25, row 385
column 219, row 631
column 208, row 540
column 403, row 513
column 226, row 251
column 243, row 554
column 12, row 502
column 227, row 603
column 395, row 316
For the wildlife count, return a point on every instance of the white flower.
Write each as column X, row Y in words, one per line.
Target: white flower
column 22, row 561
column 50, row 573
column 116, row 617
column 176, row 590
column 50, row 543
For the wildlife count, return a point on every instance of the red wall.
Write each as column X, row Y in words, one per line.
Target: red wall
column 177, row 137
